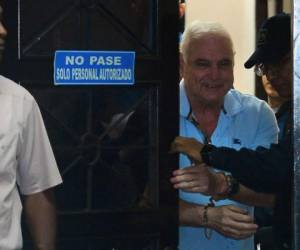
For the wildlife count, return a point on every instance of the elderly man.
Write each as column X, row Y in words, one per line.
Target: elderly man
column 264, row 170
column 212, row 112
column 26, row 159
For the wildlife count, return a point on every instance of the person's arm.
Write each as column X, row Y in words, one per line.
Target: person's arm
column 40, row 213
column 190, row 214
column 252, row 198
column 263, row 170
column 231, row 221
column 202, row 179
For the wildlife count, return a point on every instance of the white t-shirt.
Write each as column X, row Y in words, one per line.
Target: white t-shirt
column 26, row 158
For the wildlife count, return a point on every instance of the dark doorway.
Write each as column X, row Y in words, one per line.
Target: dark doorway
column 111, row 142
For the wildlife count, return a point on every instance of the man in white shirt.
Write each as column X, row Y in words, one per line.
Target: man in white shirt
column 27, row 166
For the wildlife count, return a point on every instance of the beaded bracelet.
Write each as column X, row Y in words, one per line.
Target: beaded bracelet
column 207, row 231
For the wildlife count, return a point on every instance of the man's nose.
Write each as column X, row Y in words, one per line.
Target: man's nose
column 3, row 31
column 214, row 72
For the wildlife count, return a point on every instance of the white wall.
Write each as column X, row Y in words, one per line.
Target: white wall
column 238, row 17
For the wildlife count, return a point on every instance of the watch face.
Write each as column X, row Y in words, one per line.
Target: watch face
column 235, row 186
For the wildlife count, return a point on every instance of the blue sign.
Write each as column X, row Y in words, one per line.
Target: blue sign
column 94, row 67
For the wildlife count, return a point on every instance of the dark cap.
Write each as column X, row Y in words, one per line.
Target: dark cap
column 274, row 40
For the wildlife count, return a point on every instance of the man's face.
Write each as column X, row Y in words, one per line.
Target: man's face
column 208, row 70
column 3, row 34
column 279, row 74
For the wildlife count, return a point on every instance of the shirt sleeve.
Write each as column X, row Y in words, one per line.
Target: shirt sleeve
column 267, row 129
column 263, row 170
column 37, row 168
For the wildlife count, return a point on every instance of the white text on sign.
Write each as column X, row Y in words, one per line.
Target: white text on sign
column 94, row 60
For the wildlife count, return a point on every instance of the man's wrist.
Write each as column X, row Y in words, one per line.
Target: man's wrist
column 222, row 184
column 227, row 186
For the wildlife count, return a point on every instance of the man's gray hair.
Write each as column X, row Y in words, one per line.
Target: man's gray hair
column 198, row 29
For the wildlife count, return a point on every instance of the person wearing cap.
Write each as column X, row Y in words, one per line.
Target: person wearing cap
column 282, row 108
column 212, row 111
column 280, row 102
column 263, row 170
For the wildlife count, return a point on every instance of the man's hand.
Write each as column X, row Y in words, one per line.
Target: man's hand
column 199, row 179
column 189, row 146
column 231, row 221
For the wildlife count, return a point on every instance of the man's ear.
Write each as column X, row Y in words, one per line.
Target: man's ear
column 181, row 65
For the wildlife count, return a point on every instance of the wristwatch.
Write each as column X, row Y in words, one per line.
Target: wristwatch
column 235, row 187
column 206, row 153
column 233, row 184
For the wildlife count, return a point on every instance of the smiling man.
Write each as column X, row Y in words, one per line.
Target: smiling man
column 213, row 112
column 265, row 170
column 27, row 167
